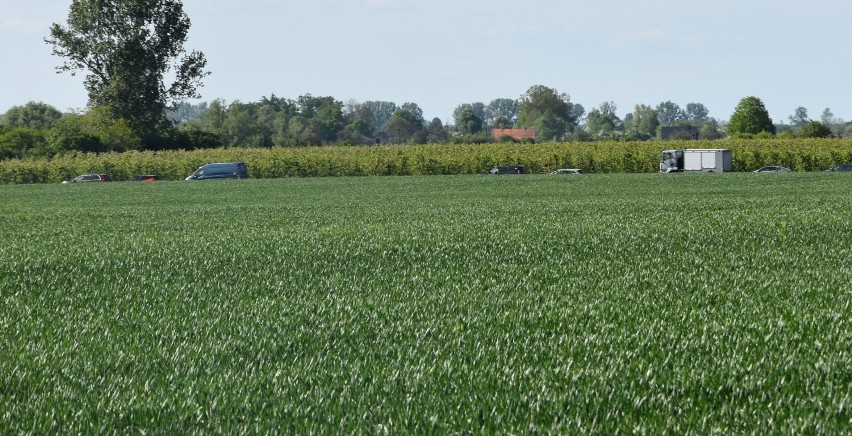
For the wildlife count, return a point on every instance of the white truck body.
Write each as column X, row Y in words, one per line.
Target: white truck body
column 706, row 160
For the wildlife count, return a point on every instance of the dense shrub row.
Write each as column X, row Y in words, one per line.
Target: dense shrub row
column 602, row 157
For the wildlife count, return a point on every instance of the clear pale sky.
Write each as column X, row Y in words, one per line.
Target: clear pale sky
column 442, row 53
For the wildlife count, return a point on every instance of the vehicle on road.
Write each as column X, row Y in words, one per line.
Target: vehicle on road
column 697, row 160
column 568, row 171
column 509, row 169
column 773, row 169
column 88, row 178
column 220, row 170
column 843, row 168
column 145, row 178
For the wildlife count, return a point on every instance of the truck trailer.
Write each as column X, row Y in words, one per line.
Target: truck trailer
column 696, row 160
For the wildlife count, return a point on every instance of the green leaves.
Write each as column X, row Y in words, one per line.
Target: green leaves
column 750, row 118
column 127, row 47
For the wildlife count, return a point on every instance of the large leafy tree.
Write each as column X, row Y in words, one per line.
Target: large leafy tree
column 644, row 121
column 799, row 117
column 814, row 129
column 467, row 122
column 436, row 131
column 324, row 115
column 602, row 121
column 31, row 115
column 750, row 117
column 403, row 126
column 382, row 112
column 669, row 113
column 540, row 101
column 696, row 112
column 415, row 111
column 127, row 47
column 462, row 114
column 501, row 112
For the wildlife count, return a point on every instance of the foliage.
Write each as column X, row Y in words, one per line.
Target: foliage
column 275, row 121
column 381, row 112
column 403, row 125
column 359, row 120
column 696, row 112
column 467, row 122
column 436, row 132
column 750, row 118
column 601, row 304
column 814, row 154
column 799, row 117
column 644, row 121
column 127, row 47
column 415, row 111
column 32, row 116
column 813, row 129
column 710, row 130
column 669, row 113
column 602, row 121
column 540, row 101
column 22, row 142
column 501, row 113
column 184, row 112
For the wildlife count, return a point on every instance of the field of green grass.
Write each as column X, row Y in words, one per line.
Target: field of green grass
column 430, row 304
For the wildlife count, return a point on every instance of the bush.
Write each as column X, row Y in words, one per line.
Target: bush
column 605, row 157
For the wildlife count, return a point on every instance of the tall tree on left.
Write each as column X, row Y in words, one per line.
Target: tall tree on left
column 128, row 47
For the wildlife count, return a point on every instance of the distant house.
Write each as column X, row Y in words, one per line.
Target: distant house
column 516, row 134
column 679, row 132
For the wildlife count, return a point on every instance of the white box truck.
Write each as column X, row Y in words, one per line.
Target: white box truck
column 696, row 160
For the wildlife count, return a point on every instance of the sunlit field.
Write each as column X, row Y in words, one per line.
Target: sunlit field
column 602, row 303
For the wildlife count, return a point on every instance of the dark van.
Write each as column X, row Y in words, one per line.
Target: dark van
column 509, row 169
column 221, row 170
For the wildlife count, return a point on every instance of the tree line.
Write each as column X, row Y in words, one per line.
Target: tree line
column 127, row 47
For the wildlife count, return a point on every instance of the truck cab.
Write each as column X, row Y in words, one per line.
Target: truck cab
column 671, row 161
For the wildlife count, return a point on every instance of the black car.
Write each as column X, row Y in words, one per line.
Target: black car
column 844, row 167
column 509, row 169
column 220, row 170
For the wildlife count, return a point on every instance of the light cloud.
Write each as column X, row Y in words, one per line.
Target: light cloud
column 459, row 67
column 645, row 37
column 384, row 4
column 17, row 25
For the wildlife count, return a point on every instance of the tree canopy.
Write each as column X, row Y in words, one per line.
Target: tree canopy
column 644, row 122
column 669, row 113
column 750, row 118
column 549, row 111
column 127, row 47
column 814, row 129
column 602, row 121
column 467, row 122
column 31, row 115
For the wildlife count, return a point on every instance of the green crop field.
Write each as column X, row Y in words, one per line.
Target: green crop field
column 609, row 303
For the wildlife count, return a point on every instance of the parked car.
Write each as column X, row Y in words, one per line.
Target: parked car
column 844, row 167
column 568, row 171
column 145, row 178
column 88, row 178
column 220, row 170
column 773, row 169
column 509, row 169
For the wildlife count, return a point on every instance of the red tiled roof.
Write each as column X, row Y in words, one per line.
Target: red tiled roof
column 514, row 133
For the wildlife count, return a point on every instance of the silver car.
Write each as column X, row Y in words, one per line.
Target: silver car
column 773, row 169
column 88, row 178
column 845, row 167
column 568, row 171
